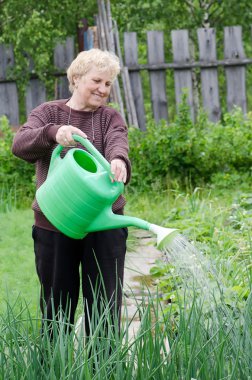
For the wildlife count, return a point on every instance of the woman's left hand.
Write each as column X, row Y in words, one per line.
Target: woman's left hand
column 119, row 171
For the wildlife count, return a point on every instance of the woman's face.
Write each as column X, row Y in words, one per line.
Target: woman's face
column 93, row 89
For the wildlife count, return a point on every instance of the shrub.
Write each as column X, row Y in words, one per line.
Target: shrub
column 194, row 152
column 182, row 152
column 15, row 174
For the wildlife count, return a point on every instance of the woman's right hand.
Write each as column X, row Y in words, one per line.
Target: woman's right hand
column 64, row 135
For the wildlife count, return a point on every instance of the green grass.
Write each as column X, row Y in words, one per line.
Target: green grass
column 17, row 266
column 203, row 347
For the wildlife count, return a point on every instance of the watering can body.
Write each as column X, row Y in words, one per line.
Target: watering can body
column 78, row 194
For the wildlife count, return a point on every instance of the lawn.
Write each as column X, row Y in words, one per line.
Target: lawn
column 17, row 267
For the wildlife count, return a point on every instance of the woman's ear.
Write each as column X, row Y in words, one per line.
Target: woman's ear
column 76, row 80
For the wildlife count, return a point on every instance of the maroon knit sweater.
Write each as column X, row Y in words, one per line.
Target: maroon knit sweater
column 35, row 141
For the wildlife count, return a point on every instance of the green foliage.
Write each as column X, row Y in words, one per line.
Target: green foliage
column 34, row 27
column 15, row 175
column 217, row 347
column 180, row 14
column 192, row 153
column 181, row 153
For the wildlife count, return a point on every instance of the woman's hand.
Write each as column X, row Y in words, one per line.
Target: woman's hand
column 119, row 171
column 64, row 135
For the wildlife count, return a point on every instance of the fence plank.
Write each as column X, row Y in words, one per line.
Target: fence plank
column 130, row 106
column 131, row 58
column 8, row 91
column 183, row 77
column 155, row 41
column 63, row 56
column 209, row 76
column 235, row 76
column 35, row 93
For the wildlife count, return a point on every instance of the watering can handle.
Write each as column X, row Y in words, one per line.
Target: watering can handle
column 87, row 144
column 90, row 147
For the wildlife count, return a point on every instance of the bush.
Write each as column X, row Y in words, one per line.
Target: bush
column 182, row 152
column 16, row 175
column 192, row 152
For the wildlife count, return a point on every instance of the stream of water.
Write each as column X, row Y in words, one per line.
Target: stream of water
column 195, row 272
column 201, row 283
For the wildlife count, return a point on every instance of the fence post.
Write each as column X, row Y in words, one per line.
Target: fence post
column 131, row 59
column 63, row 56
column 8, row 90
column 209, row 76
column 235, row 75
column 155, row 41
column 183, row 77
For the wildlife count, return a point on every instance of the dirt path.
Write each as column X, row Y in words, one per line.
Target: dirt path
column 137, row 280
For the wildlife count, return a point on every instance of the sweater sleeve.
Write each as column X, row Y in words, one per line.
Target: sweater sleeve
column 36, row 136
column 116, row 141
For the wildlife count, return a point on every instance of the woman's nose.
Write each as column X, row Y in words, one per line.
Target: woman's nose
column 102, row 88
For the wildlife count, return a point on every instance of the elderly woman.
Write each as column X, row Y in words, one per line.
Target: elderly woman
column 58, row 258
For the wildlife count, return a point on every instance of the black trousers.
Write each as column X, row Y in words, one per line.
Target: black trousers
column 58, row 258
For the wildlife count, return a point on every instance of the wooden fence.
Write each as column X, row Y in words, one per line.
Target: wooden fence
column 234, row 64
column 35, row 92
column 183, row 66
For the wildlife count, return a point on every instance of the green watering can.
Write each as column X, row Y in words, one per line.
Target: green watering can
column 78, row 194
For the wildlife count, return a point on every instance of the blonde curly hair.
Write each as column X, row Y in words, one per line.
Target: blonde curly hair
column 102, row 60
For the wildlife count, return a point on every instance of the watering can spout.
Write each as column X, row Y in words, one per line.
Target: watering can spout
column 109, row 220
column 165, row 236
